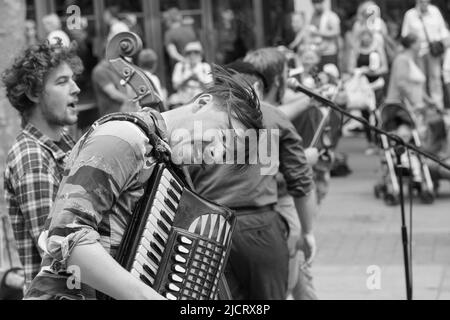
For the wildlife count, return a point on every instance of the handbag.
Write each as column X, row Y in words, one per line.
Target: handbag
column 360, row 94
column 437, row 48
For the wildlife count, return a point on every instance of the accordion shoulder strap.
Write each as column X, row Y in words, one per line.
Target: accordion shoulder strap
column 155, row 134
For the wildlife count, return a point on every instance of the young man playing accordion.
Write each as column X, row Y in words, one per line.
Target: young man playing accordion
column 105, row 177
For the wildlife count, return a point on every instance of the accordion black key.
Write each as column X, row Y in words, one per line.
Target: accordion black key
column 177, row 242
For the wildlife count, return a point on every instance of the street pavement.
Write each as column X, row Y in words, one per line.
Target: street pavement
column 355, row 231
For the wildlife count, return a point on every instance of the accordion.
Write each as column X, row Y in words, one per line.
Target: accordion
column 177, row 242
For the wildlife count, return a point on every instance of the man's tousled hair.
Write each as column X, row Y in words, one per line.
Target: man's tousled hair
column 270, row 62
column 29, row 71
column 237, row 96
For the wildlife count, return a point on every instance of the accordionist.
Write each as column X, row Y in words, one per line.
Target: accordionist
column 105, row 179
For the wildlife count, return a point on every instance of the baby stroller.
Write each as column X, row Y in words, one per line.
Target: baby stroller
column 396, row 119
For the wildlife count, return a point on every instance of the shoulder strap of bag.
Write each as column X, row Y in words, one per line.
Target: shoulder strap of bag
column 424, row 28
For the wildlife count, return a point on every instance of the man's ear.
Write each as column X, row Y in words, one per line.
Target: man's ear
column 202, row 101
column 32, row 97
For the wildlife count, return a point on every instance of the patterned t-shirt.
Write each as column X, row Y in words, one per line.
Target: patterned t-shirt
column 104, row 179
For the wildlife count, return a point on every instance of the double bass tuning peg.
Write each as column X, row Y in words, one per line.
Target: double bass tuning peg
column 124, row 44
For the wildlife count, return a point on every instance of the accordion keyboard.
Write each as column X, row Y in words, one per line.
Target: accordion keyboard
column 180, row 244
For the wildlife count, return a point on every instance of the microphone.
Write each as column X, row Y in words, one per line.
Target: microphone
column 295, row 86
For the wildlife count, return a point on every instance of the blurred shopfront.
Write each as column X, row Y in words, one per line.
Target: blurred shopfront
column 256, row 23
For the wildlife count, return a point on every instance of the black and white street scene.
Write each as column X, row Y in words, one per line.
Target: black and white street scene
column 225, row 150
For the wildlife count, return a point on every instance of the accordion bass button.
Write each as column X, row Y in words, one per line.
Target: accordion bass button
column 176, row 278
column 180, row 259
column 170, row 296
column 185, row 240
column 179, row 269
column 182, row 249
column 173, row 288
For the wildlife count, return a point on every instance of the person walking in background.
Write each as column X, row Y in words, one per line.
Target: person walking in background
column 40, row 86
column 407, row 79
column 426, row 21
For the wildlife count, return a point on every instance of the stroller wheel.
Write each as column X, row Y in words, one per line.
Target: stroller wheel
column 391, row 199
column 426, row 197
column 378, row 191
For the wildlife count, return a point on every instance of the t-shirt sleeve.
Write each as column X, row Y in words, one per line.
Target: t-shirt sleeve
column 293, row 164
column 98, row 175
column 101, row 77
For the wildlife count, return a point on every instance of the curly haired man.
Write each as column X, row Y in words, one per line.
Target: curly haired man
column 40, row 86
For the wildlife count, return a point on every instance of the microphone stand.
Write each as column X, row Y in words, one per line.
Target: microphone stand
column 400, row 148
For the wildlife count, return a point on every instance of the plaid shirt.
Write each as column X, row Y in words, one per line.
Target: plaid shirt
column 106, row 176
column 33, row 172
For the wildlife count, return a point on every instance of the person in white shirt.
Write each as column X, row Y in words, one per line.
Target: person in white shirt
column 190, row 76
column 426, row 21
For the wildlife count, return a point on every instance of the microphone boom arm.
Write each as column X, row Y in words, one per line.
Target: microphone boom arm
column 398, row 141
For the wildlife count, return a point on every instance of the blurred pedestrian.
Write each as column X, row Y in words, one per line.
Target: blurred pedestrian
column 369, row 56
column 426, row 21
column 406, row 84
column 30, row 32
column 298, row 27
column 324, row 31
column 369, row 17
column 177, row 36
column 230, row 45
column 190, row 76
column 110, row 95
